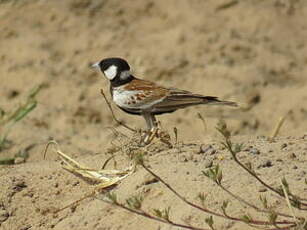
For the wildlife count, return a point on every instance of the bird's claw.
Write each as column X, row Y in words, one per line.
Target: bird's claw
column 155, row 132
column 150, row 135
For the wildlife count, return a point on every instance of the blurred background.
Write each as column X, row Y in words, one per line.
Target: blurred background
column 251, row 51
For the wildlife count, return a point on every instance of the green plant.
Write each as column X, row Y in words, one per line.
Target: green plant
column 8, row 119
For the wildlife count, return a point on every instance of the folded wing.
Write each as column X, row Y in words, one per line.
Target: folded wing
column 178, row 99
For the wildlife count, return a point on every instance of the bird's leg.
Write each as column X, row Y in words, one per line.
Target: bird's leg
column 147, row 118
column 154, row 131
column 152, row 127
column 153, row 122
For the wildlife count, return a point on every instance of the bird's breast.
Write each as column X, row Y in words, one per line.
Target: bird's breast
column 132, row 99
column 126, row 98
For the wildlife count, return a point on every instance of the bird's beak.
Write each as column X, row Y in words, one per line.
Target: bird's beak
column 95, row 65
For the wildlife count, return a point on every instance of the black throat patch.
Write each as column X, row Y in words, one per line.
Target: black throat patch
column 119, row 82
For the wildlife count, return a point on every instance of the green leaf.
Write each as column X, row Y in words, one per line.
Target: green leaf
column 33, row 92
column 2, row 113
column 164, row 214
column 249, row 166
column 238, row 148
column 286, row 185
column 264, row 201
column 157, row 213
column 23, row 111
column 272, row 217
column 7, row 161
column 219, row 176
column 225, row 204
column 246, row 218
column 210, row 221
column 112, row 197
column 202, row 198
column 135, row 202
column 295, row 202
column 224, row 207
column 139, row 158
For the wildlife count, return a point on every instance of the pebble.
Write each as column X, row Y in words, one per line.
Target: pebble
column 292, row 156
column 76, row 183
column 263, row 189
column 19, row 160
column 207, row 149
column 19, row 185
column 268, row 163
column 254, row 151
column 26, row 227
column 248, row 148
column 284, row 145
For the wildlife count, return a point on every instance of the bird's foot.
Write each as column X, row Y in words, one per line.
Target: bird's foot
column 153, row 133
column 149, row 136
column 164, row 137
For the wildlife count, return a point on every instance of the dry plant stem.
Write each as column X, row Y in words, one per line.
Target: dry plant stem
column 52, row 142
column 113, row 115
column 75, row 202
column 288, row 201
column 252, row 222
column 107, row 161
column 257, row 178
column 228, row 144
column 277, row 128
column 249, row 204
column 203, row 121
column 149, row 216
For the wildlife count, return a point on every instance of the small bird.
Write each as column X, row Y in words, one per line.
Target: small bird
column 141, row 97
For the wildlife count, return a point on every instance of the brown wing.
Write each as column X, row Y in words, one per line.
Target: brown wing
column 148, row 93
column 159, row 99
column 178, row 99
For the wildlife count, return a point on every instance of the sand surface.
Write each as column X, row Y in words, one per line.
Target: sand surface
column 253, row 52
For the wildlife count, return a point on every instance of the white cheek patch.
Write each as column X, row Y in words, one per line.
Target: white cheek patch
column 111, row 72
column 124, row 75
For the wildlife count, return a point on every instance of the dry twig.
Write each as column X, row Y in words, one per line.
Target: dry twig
column 113, row 115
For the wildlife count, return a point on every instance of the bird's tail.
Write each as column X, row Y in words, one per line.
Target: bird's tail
column 216, row 101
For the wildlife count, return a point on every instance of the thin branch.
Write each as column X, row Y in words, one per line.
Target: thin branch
column 75, row 202
column 229, row 145
column 256, row 222
column 113, row 115
column 250, row 204
column 288, row 202
column 149, row 216
column 258, row 179
column 277, row 128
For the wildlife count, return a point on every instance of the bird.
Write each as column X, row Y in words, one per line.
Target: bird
column 145, row 98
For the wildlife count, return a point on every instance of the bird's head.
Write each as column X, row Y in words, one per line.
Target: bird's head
column 115, row 69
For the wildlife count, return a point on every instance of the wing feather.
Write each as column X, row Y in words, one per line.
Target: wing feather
column 159, row 99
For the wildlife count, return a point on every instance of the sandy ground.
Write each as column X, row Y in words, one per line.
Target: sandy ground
column 252, row 52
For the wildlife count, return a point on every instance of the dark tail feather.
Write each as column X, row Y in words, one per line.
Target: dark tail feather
column 216, row 101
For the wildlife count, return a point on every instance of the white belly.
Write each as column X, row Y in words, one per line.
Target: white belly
column 126, row 99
